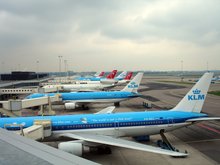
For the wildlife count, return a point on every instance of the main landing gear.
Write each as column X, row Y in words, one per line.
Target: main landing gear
column 104, row 150
column 117, row 104
column 85, row 107
column 165, row 144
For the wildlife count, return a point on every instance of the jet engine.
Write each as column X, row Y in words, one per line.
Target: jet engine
column 72, row 147
column 80, row 147
column 70, row 106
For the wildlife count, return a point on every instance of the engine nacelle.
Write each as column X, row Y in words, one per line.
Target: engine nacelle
column 70, row 105
column 75, row 148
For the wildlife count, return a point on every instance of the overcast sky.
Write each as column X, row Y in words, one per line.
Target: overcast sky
column 95, row 35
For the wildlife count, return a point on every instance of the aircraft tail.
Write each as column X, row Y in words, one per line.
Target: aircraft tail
column 194, row 99
column 128, row 76
column 122, row 75
column 99, row 74
column 96, row 74
column 112, row 74
column 134, row 83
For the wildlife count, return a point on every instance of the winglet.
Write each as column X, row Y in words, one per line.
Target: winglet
column 134, row 83
column 106, row 110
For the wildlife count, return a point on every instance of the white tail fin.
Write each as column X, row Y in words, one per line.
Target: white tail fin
column 134, row 83
column 194, row 99
column 122, row 75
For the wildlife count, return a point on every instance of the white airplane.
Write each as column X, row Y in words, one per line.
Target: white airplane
column 122, row 78
column 79, row 87
column 107, row 128
column 87, row 87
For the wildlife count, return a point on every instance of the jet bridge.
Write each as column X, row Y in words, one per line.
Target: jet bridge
column 29, row 90
column 39, row 130
column 14, row 107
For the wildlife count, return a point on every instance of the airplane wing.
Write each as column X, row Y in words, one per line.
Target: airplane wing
column 16, row 149
column 107, row 140
column 106, row 110
column 203, row 119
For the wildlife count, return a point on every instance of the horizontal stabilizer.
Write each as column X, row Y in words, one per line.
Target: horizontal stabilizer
column 203, row 119
column 106, row 110
column 107, row 140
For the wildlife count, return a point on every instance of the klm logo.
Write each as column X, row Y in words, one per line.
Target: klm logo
column 133, row 85
column 196, row 95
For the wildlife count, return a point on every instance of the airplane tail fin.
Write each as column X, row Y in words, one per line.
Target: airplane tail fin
column 122, row 75
column 96, row 74
column 112, row 74
column 128, row 76
column 194, row 99
column 134, row 83
column 101, row 74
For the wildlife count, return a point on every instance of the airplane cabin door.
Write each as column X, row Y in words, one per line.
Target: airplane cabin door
column 116, row 124
column 170, row 122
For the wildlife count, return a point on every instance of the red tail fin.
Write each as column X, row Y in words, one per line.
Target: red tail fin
column 112, row 74
column 128, row 76
column 101, row 74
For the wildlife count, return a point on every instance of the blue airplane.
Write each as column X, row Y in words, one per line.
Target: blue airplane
column 82, row 99
column 107, row 128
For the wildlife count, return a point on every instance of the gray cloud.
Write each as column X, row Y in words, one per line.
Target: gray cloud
column 105, row 29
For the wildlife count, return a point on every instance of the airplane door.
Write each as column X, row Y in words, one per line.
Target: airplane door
column 170, row 122
column 116, row 132
column 116, row 125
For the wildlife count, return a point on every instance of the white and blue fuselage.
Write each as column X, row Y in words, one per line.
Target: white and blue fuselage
column 115, row 124
column 110, row 96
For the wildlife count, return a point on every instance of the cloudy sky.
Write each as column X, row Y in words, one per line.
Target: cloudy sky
column 109, row 34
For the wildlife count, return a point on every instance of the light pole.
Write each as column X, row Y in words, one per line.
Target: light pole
column 207, row 66
column 181, row 70
column 66, row 67
column 37, row 69
column 60, row 58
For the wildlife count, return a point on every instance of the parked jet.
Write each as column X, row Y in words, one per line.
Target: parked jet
column 77, row 99
column 109, row 76
column 79, row 87
column 121, row 76
column 106, row 128
column 118, row 80
column 125, row 80
column 86, row 86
